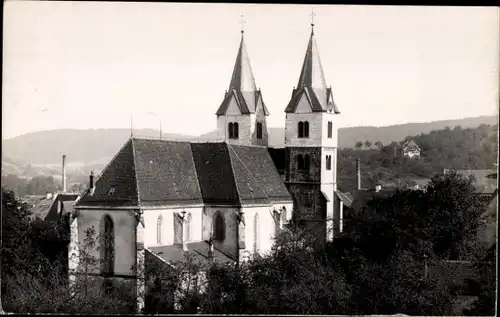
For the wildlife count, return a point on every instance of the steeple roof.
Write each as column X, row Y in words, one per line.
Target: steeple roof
column 312, row 82
column 242, row 86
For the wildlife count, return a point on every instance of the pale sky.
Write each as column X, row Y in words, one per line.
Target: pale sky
column 90, row 64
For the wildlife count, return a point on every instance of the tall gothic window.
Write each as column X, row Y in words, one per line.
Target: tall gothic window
column 219, row 227
column 107, row 246
column 303, row 129
column 178, row 227
column 256, row 234
column 188, row 227
column 159, row 229
column 259, row 130
column 283, row 215
column 328, row 162
column 330, row 129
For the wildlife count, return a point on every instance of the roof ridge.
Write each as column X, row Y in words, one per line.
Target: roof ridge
column 196, row 172
column 232, row 172
column 248, row 171
column 135, row 173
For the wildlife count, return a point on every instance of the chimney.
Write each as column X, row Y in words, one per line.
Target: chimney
column 91, row 182
column 358, row 174
column 64, row 174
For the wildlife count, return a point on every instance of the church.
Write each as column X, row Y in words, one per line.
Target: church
column 224, row 200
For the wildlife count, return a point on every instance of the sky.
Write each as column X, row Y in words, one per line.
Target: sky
column 93, row 64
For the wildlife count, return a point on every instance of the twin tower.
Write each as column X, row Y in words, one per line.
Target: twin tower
column 310, row 153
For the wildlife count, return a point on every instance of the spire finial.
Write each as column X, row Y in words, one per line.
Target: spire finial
column 242, row 22
column 312, row 20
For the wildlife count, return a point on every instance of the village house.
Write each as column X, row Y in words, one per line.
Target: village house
column 411, row 149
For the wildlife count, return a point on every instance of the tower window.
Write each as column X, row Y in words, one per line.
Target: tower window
column 328, row 162
column 107, row 245
column 232, row 128
column 259, row 130
column 330, row 129
column 159, row 228
column 303, row 162
column 303, row 129
column 219, row 227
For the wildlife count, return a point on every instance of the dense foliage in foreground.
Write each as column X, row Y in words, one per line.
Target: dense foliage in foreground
column 378, row 267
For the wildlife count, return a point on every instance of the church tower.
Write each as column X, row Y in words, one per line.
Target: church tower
column 241, row 117
column 311, row 146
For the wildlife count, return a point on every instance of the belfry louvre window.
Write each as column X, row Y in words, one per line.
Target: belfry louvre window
column 233, row 130
column 330, row 129
column 303, row 162
column 303, row 129
column 259, row 130
column 328, row 162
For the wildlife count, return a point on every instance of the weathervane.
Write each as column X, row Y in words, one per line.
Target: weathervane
column 242, row 22
column 312, row 20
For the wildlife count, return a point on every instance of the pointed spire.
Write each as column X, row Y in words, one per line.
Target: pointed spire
column 242, row 85
column 312, row 80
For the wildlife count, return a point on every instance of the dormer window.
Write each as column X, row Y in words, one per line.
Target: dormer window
column 233, row 130
column 303, row 129
column 259, row 130
column 111, row 191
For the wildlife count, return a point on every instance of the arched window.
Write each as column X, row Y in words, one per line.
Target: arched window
column 307, row 161
column 159, row 229
column 230, row 130
column 330, row 129
column 188, row 227
column 219, row 227
column 256, row 233
column 300, row 162
column 306, row 129
column 328, row 162
column 107, row 246
column 236, row 130
column 259, row 130
column 301, row 129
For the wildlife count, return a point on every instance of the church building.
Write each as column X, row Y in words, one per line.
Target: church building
column 224, row 200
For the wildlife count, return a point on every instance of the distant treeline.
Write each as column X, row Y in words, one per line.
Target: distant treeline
column 38, row 185
column 457, row 148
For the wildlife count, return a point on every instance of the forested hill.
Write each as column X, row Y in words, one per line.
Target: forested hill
column 457, row 148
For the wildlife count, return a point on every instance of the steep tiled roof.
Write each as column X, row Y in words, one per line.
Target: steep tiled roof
column 312, row 83
column 67, row 200
column 158, row 172
column 165, row 172
column 411, row 146
column 117, row 185
column 242, row 86
column 214, row 172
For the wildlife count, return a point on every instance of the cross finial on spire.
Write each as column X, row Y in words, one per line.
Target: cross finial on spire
column 312, row 20
column 242, row 22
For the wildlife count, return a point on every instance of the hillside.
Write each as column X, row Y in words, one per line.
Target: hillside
column 97, row 146
column 457, row 148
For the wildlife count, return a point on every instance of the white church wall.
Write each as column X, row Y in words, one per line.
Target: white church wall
column 167, row 235
column 266, row 232
column 124, row 224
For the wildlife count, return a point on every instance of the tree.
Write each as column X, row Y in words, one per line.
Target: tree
column 358, row 145
column 379, row 145
column 368, row 144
